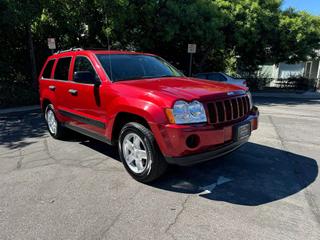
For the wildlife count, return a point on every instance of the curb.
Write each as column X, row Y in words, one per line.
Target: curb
column 306, row 95
column 19, row 109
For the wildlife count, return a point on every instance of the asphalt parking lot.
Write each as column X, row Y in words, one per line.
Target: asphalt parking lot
column 78, row 188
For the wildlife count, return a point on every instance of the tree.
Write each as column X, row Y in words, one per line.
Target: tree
column 19, row 16
column 230, row 34
column 298, row 36
column 250, row 29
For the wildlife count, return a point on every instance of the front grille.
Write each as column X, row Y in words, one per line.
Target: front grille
column 232, row 109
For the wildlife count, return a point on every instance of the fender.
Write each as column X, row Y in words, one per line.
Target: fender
column 148, row 110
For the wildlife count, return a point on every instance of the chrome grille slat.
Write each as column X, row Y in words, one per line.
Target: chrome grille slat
column 245, row 107
column 240, row 107
column 227, row 110
column 220, row 110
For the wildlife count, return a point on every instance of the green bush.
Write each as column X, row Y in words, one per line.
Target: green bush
column 14, row 93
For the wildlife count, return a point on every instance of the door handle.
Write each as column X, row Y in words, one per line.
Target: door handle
column 52, row 88
column 73, row 91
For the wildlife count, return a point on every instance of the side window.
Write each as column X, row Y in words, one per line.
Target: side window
column 84, row 71
column 62, row 69
column 217, row 77
column 47, row 70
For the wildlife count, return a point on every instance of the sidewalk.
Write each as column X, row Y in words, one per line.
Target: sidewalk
column 19, row 109
column 305, row 95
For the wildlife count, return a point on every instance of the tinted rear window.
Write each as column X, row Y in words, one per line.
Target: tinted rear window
column 62, row 69
column 48, row 69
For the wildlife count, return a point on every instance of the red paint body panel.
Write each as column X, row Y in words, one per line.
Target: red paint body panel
column 172, row 138
column 147, row 98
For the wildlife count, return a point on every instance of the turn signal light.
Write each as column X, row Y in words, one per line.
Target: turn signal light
column 169, row 114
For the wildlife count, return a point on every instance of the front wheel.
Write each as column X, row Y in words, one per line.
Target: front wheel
column 140, row 154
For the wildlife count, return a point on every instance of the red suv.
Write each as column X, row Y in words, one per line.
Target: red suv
column 140, row 102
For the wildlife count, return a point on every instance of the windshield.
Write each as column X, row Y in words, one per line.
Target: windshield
column 120, row 67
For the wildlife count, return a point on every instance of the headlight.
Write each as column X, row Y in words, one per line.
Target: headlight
column 184, row 113
column 250, row 100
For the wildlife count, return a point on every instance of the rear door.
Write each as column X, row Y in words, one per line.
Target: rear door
column 46, row 83
column 60, row 85
column 84, row 98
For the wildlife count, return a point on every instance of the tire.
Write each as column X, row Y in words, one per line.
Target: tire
column 143, row 167
column 57, row 132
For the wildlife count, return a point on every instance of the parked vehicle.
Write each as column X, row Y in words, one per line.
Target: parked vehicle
column 139, row 102
column 222, row 77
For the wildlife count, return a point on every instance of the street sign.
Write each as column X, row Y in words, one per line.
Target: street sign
column 52, row 43
column 192, row 48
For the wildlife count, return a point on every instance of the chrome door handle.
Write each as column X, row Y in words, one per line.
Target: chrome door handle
column 73, row 91
column 52, row 88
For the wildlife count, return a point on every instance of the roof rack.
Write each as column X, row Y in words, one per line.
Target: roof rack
column 68, row 50
column 106, row 49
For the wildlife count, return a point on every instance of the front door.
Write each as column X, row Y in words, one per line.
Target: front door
column 85, row 95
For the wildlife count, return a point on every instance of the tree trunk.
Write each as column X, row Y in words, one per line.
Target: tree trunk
column 32, row 57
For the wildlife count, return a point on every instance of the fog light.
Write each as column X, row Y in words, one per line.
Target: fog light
column 192, row 141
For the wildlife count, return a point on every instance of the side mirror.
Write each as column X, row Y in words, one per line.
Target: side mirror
column 85, row 77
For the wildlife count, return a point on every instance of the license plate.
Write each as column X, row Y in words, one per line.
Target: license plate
column 244, row 131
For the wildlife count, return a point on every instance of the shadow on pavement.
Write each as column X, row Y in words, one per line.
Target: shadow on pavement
column 16, row 128
column 251, row 176
column 110, row 151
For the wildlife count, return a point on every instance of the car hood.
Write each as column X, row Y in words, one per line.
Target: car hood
column 186, row 88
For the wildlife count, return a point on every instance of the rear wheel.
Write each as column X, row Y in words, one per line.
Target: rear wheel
column 55, row 128
column 140, row 154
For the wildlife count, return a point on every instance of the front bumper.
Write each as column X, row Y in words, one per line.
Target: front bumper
column 206, row 156
column 213, row 141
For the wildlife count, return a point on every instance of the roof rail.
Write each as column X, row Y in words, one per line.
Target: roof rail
column 68, row 50
column 97, row 49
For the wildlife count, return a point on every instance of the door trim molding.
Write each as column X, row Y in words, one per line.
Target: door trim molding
column 88, row 133
column 83, row 119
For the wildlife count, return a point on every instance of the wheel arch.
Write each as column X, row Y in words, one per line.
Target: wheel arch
column 123, row 118
column 44, row 104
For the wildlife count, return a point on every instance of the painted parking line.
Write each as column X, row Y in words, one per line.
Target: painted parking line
column 209, row 188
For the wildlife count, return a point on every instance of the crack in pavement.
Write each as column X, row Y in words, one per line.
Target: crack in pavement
column 21, row 157
column 101, row 234
column 183, row 207
column 308, row 195
column 105, row 231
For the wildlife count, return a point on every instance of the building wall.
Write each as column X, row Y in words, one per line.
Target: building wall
column 282, row 70
column 290, row 70
column 314, row 70
column 267, row 71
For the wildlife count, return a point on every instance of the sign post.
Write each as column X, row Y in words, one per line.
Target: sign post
column 52, row 44
column 192, row 48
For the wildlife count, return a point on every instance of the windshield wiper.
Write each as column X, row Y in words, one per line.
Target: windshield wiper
column 143, row 77
column 134, row 78
column 165, row 76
